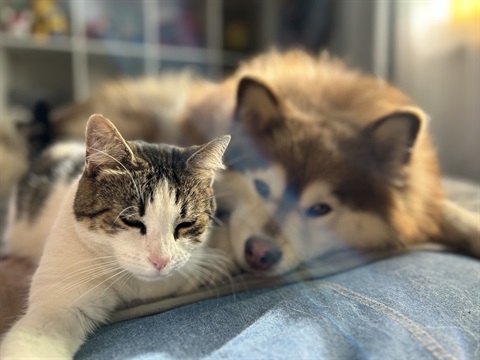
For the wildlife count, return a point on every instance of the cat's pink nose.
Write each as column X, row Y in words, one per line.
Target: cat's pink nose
column 159, row 262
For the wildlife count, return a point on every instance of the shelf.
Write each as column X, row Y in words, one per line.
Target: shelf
column 63, row 43
column 115, row 48
column 109, row 40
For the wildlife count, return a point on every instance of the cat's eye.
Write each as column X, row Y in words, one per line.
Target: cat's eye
column 182, row 227
column 320, row 209
column 135, row 224
column 262, row 188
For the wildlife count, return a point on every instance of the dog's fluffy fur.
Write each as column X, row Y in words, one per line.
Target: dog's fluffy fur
column 323, row 157
column 328, row 135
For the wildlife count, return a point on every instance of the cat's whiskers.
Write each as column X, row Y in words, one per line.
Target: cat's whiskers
column 124, row 210
column 185, row 274
column 85, row 278
column 69, row 274
column 211, row 267
column 97, row 258
column 87, row 269
column 121, row 273
column 217, row 221
column 196, row 276
column 83, row 274
column 125, row 280
column 199, row 275
column 219, row 269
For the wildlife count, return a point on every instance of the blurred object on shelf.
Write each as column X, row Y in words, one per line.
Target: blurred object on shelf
column 237, row 35
column 306, row 22
column 241, row 26
column 49, row 19
column 115, row 20
column 16, row 17
column 181, row 23
column 287, row 23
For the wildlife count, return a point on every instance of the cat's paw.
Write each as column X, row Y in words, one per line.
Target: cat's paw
column 19, row 344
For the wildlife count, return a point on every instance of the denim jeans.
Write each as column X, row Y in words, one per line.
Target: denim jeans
column 419, row 305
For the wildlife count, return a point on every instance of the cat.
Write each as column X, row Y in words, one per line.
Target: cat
column 130, row 224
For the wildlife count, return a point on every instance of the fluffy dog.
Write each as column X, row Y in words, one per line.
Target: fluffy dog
column 323, row 159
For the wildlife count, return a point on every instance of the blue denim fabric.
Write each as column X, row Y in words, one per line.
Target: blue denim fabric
column 420, row 305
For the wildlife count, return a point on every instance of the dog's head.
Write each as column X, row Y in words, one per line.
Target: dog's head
column 304, row 181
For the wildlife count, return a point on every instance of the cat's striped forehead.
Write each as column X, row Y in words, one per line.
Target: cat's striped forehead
column 159, row 185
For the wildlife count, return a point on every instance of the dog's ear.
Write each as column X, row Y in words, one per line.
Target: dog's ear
column 258, row 107
column 392, row 138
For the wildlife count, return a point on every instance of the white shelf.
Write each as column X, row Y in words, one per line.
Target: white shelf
column 120, row 48
column 8, row 41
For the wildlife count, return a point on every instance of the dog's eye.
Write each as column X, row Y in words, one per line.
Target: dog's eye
column 182, row 227
column 262, row 188
column 135, row 224
column 318, row 210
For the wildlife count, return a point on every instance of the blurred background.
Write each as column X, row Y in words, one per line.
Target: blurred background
column 60, row 51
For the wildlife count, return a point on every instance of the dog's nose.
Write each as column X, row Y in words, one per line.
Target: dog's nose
column 261, row 254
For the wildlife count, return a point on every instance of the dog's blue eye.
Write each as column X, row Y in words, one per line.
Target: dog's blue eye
column 318, row 210
column 262, row 188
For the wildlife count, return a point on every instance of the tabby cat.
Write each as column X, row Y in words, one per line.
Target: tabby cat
column 130, row 227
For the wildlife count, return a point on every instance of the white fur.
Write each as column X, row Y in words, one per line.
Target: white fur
column 301, row 238
column 352, row 227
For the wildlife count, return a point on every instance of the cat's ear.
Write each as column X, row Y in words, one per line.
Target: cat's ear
column 105, row 146
column 258, row 108
column 208, row 158
column 393, row 138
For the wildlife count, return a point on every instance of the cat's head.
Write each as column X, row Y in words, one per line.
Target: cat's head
column 148, row 206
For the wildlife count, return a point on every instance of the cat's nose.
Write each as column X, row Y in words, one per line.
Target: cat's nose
column 158, row 261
